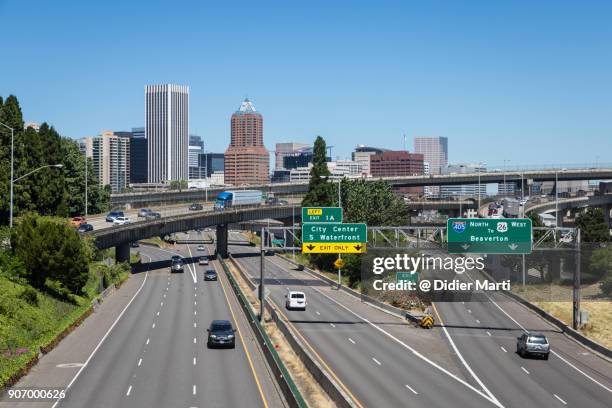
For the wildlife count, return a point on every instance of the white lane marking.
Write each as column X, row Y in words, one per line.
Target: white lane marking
column 193, row 272
column 195, row 312
column 411, row 389
column 129, row 390
column 105, row 335
column 488, row 334
column 195, row 295
column 477, row 321
column 194, row 389
column 158, row 313
column 351, row 340
column 487, row 394
column 559, row 398
column 153, row 326
column 318, row 313
column 139, row 362
column 463, row 303
column 195, row 340
column 469, row 310
column 376, row 361
column 194, row 361
column 161, row 304
column 332, row 325
column 525, row 370
column 195, row 303
column 148, row 341
column 503, row 349
column 552, row 351
column 194, row 325
column 164, row 295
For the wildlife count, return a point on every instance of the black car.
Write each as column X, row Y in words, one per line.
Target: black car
column 210, row 275
column 176, row 264
column 111, row 216
column 152, row 216
column 221, row 334
column 196, row 207
column 85, row 228
column 134, row 244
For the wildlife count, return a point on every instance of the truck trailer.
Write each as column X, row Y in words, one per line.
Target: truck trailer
column 238, row 198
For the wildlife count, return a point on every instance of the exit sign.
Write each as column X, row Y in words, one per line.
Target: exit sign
column 321, row 214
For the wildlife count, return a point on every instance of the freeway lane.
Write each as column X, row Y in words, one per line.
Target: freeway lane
column 361, row 345
column 156, row 355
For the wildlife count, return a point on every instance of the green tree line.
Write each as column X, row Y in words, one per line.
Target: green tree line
column 50, row 191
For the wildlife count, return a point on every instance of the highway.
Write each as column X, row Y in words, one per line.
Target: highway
column 372, row 354
column 481, row 335
column 156, row 354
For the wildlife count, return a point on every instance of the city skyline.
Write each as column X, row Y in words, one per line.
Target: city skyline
column 467, row 73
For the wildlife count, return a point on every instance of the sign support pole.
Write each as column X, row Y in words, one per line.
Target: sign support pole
column 261, row 275
column 339, row 273
column 576, row 291
column 523, row 271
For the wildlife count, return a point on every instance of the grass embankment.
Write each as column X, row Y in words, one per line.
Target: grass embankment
column 32, row 320
column 155, row 241
column 545, row 296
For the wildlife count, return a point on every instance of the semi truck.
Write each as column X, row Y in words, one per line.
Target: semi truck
column 511, row 208
column 238, row 198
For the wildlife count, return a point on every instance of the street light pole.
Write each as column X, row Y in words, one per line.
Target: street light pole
column 12, row 170
column 13, row 181
column 86, row 184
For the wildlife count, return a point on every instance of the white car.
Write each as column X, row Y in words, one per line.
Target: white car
column 121, row 221
column 201, row 248
column 295, row 300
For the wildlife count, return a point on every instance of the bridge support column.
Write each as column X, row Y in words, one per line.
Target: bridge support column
column 122, row 253
column 559, row 218
column 222, row 240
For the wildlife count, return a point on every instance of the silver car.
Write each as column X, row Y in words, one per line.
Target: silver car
column 532, row 344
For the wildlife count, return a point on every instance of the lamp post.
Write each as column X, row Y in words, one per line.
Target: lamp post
column 13, row 181
column 12, row 167
column 480, row 164
column 505, row 187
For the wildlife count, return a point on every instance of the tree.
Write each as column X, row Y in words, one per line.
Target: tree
column 320, row 190
column 372, row 202
column 178, row 184
column 593, row 226
column 52, row 252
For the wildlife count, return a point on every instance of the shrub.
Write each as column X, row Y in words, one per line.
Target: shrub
column 29, row 295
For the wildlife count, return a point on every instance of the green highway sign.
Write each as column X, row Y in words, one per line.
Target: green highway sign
column 407, row 276
column 321, row 214
column 489, row 235
column 334, row 233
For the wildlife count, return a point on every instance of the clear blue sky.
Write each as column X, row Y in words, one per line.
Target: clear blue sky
column 525, row 81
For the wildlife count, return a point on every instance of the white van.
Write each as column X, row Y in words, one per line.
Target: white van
column 295, row 300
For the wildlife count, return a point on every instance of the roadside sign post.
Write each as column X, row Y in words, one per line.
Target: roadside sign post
column 261, row 276
column 489, row 235
column 339, row 264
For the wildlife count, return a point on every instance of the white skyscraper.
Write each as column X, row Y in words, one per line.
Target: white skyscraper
column 167, row 131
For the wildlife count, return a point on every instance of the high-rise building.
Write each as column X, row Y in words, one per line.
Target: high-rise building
column 211, row 163
column 286, row 149
column 298, row 158
column 396, row 163
column 110, row 154
column 138, row 156
column 362, row 155
column 167, row 132
column 196, row 147
column 466, row 190
column 246, row 159
column 435, row 152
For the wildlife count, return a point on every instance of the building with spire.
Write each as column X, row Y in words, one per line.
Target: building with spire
column 246, row 159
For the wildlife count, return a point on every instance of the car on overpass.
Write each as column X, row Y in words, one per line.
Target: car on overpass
column 532, row 344
column 121, row 220
column 85, row 227
column 196, row 207
column 152, row 216
column 142, row 213
column 111, row 216
column 221, row 334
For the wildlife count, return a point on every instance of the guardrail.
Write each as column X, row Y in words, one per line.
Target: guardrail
column 288, row 387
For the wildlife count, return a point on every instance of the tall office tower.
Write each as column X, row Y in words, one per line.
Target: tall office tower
column 398, row 163
column 211, row 163
column 138, row 156
column 196, row 147
column 167, row 132
column 246, row 159
column 110, row 154
column 286, row 149
column 435, row 152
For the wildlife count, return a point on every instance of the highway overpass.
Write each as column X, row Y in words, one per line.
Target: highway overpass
column 281, row 189
column 602, row 201
column 121, row 236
